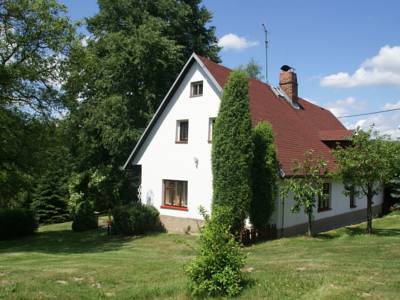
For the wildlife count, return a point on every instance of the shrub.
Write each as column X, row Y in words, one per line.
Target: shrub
column 135, row 218
column 264, row 176
column 232, row 152
column 217, row 269
column 84, row 217
column 16, row 222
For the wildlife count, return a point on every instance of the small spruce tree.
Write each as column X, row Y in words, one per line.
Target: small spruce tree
column 50, row 199
column 264, row 176
column 232, row 153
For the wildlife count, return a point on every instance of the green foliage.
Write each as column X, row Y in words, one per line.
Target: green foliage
column 84, row 217
column 365, row 164
column 232, row 152
column 16, row 222
column 217, row 270
column 50, row 195
column 306, row 185
column 23, row 158
column 264, row 176
column 36, row 36
column 252, row 69
column 394, row 175
column 135, row 218
column 135, row 51
column 50, row 200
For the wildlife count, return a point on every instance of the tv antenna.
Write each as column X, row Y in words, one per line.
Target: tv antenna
column 266, row 52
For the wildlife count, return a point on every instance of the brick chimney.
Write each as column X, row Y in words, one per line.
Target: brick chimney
column 288, row 82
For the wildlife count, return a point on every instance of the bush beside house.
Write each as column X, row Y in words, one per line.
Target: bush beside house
column 216, row 270
column 84, row 217
column 16, row 222
column 264, row 176
column 135, row 218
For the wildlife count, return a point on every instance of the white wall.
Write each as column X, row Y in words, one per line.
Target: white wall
column 340, row 204
column 161, row 158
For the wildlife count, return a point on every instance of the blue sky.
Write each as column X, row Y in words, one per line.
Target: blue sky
column 346, row 53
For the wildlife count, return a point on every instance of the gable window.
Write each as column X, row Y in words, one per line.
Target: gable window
column 196, row 89
column 174, row 194
column 182, row 131
column 324, row 203
column 352, row 197
column 211, row 122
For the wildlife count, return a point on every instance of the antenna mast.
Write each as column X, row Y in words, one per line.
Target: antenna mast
column 266, row 52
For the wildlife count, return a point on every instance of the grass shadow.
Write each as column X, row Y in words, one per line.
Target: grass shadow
column 357, row 231
column 325, row 236
column 67, row 242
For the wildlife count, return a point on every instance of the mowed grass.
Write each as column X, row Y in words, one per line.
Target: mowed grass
column 59, row 264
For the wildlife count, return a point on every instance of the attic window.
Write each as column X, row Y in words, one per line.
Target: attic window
column 196, row 89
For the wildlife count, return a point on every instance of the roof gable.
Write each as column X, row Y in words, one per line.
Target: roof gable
column 194, row 58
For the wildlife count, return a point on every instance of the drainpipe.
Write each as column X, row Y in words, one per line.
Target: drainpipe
column 283, row 217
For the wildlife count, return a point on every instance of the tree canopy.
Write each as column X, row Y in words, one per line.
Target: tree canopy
column 306, row 185
column 35, row 38
column 365, row 165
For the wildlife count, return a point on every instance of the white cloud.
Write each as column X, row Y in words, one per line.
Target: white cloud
column 382, row 69
column 232, row 41
column 386, row 123
column 345, row 106
column 392, row 105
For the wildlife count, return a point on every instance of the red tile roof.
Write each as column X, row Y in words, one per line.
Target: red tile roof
column 334, row 135
column 296, row 131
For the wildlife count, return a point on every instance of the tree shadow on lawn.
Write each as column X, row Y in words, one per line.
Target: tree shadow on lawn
column 67, row 242
column 356, row 231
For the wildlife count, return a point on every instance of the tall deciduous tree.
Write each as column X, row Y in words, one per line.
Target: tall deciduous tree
column 252, row 69
column 34, row 38
column 365, row 165
column 232, row 153
column 134, row 52
column 264, row 176
column 306, row 185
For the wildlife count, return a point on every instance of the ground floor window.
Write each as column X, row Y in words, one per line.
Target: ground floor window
column 175, row 193
column 352, row 196
column 324, row 202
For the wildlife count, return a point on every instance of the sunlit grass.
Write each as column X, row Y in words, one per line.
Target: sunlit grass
column 341, row 264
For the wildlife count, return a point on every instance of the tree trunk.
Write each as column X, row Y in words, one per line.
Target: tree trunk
column 369, row 210
column 309, row 231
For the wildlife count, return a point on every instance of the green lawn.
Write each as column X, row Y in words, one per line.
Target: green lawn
column 342, row 264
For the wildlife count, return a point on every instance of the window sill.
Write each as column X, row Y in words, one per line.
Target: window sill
column 181, row 142
column 353, row 206
column 174, row 207
column 210, row 142
column 324, row 209
column 195, row 96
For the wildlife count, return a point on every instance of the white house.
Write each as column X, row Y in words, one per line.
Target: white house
column 174, row 152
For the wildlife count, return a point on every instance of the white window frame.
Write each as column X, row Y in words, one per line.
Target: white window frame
column 178, row 132
column 195, row 90
column 211, row 123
